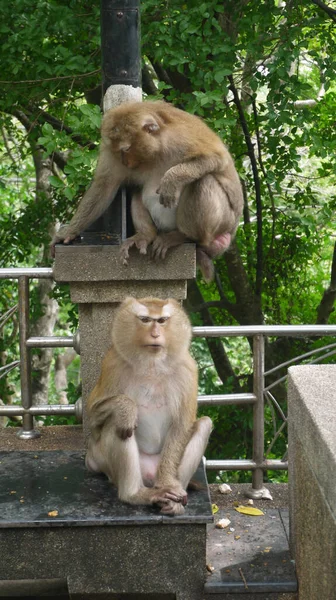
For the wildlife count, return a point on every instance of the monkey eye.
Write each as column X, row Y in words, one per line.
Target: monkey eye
column 145, row 319
column 162, row 320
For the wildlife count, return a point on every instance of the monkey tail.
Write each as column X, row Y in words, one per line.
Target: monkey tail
column 205, row 263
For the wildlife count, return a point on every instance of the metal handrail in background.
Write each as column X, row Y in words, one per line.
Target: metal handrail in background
column 258, row 464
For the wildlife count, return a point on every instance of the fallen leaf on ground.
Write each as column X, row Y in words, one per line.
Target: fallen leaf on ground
column 215, row 509
column 53, row 513
column 249, row 510
column 210, row 568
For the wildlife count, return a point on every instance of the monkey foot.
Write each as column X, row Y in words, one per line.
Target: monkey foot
column 172, row 509
column 137, row 240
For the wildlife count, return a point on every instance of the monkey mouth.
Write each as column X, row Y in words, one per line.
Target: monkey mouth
column 154, row 346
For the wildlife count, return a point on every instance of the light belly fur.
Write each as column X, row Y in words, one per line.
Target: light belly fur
column 164, row 218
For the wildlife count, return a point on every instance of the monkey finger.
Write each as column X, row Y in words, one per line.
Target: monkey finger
column 172, row 509
column 174, row 497
column 142, row 246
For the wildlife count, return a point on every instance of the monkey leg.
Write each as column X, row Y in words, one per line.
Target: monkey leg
column 190, row 461
column 164, row 241
column 120, row 461
column 194, row 450
column 205, row 214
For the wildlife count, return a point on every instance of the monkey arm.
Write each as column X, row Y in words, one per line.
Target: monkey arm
column 145, row 229
column 183, row 173
column 118, row 411
column 107, row 180
column 176, row 441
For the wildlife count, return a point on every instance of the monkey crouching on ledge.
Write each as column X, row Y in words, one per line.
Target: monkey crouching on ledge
column 188, row 187
column 142, row 412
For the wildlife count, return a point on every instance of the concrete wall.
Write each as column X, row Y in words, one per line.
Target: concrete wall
column 312, row 478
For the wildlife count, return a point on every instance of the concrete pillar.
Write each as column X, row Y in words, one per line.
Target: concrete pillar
column 99, row 282
column 312, row 478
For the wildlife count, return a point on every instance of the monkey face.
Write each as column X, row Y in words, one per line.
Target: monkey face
column 150, row 326
column 133, row 136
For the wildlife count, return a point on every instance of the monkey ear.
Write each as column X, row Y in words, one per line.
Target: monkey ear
column 150, row 124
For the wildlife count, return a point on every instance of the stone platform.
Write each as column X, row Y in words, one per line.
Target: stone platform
column 60, row 523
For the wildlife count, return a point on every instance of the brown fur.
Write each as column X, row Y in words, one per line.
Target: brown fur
column 166, row 150
column 138, row 384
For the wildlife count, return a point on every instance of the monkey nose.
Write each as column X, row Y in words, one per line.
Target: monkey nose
column 124, row 149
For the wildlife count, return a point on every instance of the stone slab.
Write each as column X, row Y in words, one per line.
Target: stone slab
column 253, row 557
column 34, row 484
column 312, row 411
column 312, row 468
column 104, row 291
column 102, row 263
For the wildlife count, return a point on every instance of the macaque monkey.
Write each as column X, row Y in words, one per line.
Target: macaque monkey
column 187, row 184
column 142, row 412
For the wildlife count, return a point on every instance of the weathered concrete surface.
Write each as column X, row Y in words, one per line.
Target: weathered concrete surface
column 312, row 478
column 95, row 543
column 250, row 555
column 102, row 263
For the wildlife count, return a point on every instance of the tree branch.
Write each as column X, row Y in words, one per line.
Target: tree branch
column 59, row 126
column 216, row 348
column 331, row 12
column 326, row 306
column 250, row 149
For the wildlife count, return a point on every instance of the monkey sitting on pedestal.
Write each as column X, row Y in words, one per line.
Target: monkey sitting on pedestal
column 142, row 412
column 188, row 187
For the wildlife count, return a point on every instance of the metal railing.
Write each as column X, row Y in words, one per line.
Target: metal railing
column 27, row 411
column 257, row 464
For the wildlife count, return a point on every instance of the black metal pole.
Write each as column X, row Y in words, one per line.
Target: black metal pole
column 121, row 67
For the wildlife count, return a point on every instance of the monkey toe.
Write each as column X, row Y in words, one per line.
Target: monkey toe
column 159, row 249
column 172, row 508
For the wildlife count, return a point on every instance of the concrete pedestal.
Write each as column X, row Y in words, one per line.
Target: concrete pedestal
column 63, row 528
column 312, row 478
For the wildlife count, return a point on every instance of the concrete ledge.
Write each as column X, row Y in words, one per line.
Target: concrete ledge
column 312, row 478
column 102, row 263
column 312, row 411
column 114, row 291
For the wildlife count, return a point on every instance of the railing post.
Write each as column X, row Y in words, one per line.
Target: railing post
column 258, row 415
column 27, row 432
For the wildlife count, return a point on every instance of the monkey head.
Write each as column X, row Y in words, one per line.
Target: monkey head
column 134, row 134
column 150, row 327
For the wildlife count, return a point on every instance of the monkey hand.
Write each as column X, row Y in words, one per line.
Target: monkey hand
column 64, row 235
column 171, row 501
column 169, row 193
column 172, row 491
column 140, row 240
column 125, row 417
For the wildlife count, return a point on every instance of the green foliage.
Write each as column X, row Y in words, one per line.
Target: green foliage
column 243, row 67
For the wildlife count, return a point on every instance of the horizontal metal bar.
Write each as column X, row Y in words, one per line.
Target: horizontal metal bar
column 43, row 409
column 245, row 465
column 33, row 273
column 61, row 341
column 226, row 399
column 268, row 330
column 230, row 465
